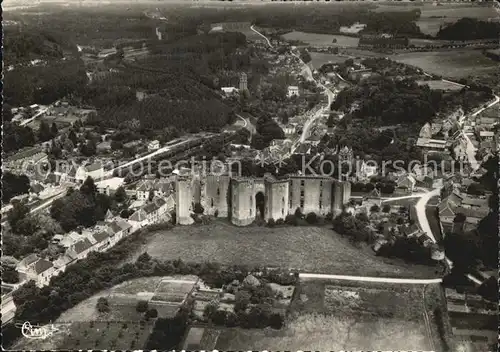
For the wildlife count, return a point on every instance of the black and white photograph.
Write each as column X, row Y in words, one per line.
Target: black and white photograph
column 250, row 175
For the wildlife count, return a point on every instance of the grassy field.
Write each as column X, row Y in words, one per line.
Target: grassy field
column 310, row 249
column 441, row 85
column 332, row 315
column 318, row 39
column 319, row 59
column 455, row 64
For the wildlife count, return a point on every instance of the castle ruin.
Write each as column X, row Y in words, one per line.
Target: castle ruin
column 244, row 199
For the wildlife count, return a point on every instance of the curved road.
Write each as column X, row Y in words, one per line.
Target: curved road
column 309, row 76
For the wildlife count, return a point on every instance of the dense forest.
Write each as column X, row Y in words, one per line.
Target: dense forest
column 388, row 101
column 44, row 84
column 470, row 29
column 179, row 83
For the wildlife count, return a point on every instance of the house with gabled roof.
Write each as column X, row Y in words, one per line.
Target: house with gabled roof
column 61, row 263
column 102, row 241
column 80, row 249
column 138, row 219
column 160, row 188
column 406, row 183
column 37, row 269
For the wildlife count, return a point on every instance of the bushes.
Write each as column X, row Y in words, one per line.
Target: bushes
column 291, row 220
column 151, row 313
column 142, row 306
column 102, row 305
column 375, row 208
column 271, row 223
column 312, row 218
column 386, row 208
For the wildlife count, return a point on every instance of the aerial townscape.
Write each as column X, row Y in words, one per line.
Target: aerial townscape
column 250, row 175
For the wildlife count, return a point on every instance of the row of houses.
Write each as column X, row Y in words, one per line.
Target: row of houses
column 100, row 238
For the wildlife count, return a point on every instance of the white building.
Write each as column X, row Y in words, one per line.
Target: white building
column 154, row 145
column 94, row 170
column 230, row 90
column 110, row 185
column 293, row 91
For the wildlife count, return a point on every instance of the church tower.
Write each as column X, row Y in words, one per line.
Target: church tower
column 243, row 82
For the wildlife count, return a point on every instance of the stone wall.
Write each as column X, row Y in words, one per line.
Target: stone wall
column 277, row 202
column 183, row 200
column 236, row 197
column 243, row 201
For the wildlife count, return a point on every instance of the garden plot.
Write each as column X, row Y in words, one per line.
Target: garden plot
column 173, row 290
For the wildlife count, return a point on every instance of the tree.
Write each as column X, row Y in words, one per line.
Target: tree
column 298, row 213
column 72, row 137
column 198, row 209
column 16, row 215
column 9, row 274
column 102, row 305
column 151, row 313
column 88, row 187
column 375, row 208
column 44, row 133
column 13, row 185
column 141, row 307
column 54, row 130
column 120, row 195
column 210, row 310
column 271, row 222
column 386, row 208
column 312, row 218
column 88, row 149
column 459, row 217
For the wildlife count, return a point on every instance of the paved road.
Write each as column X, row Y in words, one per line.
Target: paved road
column 370, row 279
column 262, row 35
column 42, row 206
column 422, row 217
column 42, row 111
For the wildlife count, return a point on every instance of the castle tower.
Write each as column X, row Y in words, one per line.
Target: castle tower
column 214, row 195
column 341, row 195
column 312, row 194
column 183, row 200
column 243, row 82
column 243, row 202
column 276, row 198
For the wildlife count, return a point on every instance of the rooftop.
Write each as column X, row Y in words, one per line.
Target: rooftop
column 42, row 265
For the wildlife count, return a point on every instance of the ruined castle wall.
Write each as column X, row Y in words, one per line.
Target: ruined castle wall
column 243, row 202
column 342, row 194
column 326, row 189
column 214, row 195
column 277, row 202
column 183, row 200
column 294, row 195
column 311, row 195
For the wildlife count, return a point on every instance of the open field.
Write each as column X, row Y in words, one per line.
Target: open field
column 441, row 85
column 319, row 59
column 83, row 327
column 329, row 315
column 317, row 39
column 432, row 17
column 309, row 249
column 454, row 64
